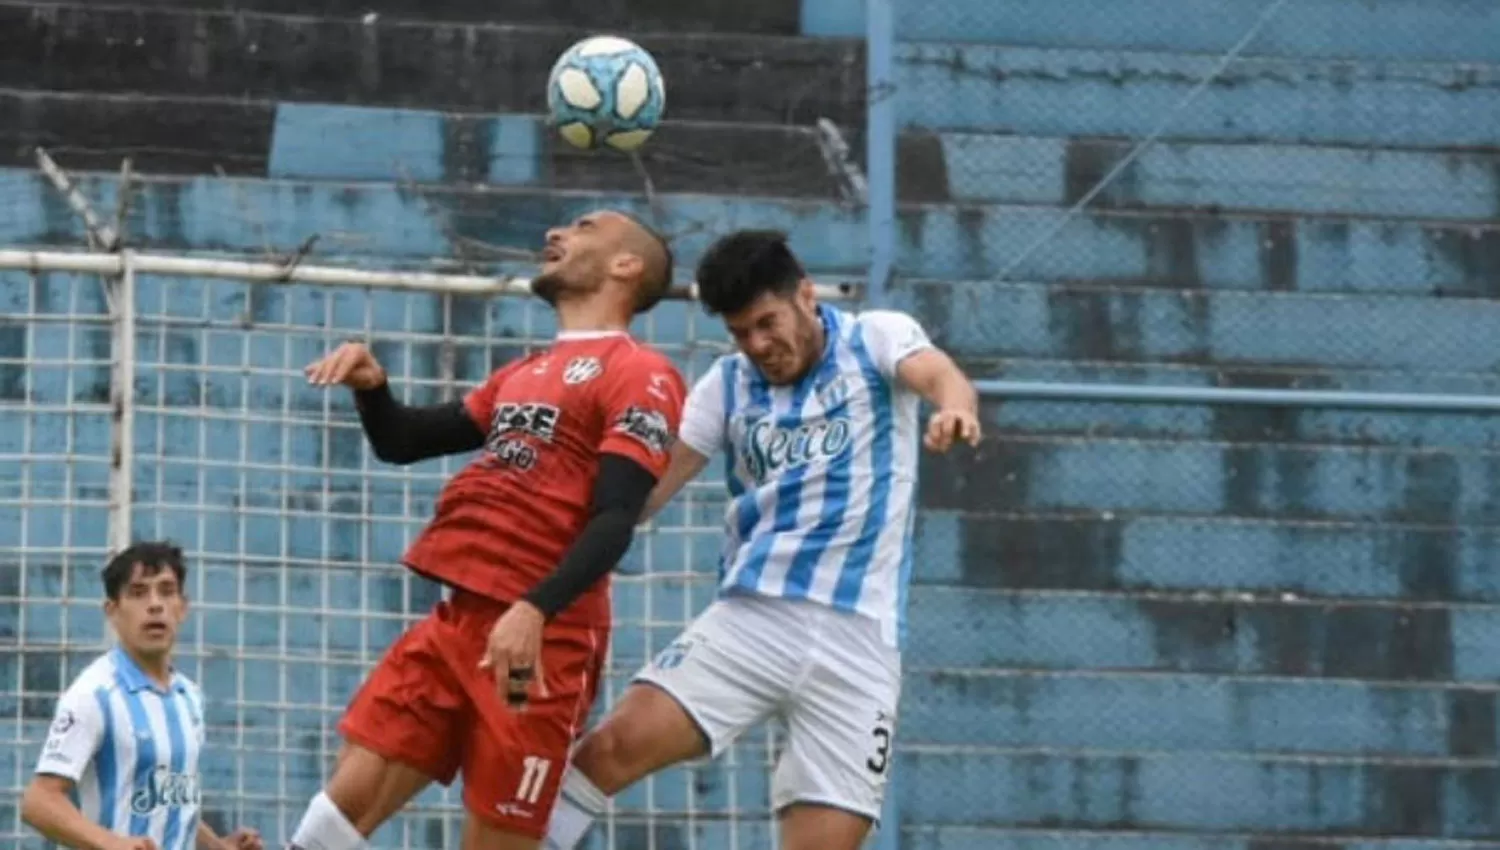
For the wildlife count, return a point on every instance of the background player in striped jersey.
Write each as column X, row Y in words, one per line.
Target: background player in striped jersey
column 818, row 415
column 127, row 733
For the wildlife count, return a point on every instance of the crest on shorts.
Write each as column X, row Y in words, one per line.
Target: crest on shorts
column 582, row 370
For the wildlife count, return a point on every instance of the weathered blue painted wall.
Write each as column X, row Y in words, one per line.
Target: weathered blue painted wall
column 1165, row 627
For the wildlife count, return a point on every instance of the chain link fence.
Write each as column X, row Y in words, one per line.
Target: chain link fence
column 1199, row 619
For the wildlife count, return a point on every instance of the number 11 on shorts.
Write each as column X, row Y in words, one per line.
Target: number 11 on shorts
column 534, row 771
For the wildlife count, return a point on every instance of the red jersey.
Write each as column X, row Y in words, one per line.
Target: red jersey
column 504, row 522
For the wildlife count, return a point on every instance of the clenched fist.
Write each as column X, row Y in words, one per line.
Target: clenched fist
column 351, row 364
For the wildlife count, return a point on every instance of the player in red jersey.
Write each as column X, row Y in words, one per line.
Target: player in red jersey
column 573, row 439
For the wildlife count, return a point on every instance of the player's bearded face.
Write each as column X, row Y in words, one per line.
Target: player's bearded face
column 782, row 335
column 149, row 612
column 573, row 261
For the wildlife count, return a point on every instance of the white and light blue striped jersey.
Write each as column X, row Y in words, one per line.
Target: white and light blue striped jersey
column 822, row 474
column 131, row 746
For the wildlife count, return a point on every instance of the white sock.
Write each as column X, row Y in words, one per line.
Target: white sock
column 324, row 827
column 577, row 806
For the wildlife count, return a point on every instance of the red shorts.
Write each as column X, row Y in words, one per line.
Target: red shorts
column 428, row 705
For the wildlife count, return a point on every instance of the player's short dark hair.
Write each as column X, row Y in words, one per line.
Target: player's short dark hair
column 744, row 265
column 654, row 287
column 153, row 558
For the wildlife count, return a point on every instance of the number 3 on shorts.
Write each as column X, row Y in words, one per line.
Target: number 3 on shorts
column 881, row 759
column 534, row 771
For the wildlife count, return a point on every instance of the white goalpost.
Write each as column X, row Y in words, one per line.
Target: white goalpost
column 158, row 395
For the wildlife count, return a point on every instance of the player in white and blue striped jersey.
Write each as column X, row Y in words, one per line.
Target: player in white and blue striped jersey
column 119, row 770
column 817, row 416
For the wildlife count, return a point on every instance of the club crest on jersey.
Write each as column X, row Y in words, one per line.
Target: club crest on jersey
column 834, row 393
column 582, row 370
column 770, row 450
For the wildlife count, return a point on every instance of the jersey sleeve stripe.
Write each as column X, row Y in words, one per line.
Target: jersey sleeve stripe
column 851, row 580
column 106, row 762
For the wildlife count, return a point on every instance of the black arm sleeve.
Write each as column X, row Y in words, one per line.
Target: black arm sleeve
column 400, row 434
column 620, row 494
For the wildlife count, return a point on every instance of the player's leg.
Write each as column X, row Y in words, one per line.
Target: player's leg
column 400, row 731
column 830, row 782
column 732, row 667
column 514, row 758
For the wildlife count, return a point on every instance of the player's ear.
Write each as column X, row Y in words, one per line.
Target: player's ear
column 807, row 295
column 627, row 265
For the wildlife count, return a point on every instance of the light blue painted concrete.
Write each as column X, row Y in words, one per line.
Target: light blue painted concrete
column 1043, row 92
column 1266, row 178
column 1025, row 321
column 316, row 141
column 1191, row 792
column 1409, row 30
column 381, row 223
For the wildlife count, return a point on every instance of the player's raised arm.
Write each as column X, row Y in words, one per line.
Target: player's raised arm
column 699, row 438
column 47, row 805
column 902, row 350
column 398, row 433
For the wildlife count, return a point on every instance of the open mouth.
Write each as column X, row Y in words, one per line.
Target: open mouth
column 551, row 254
column 156, row 629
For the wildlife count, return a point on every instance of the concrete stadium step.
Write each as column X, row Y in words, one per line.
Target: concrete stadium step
column 1189, row 793
column 87, row 131
column 1244, row 423
column 1176, row 713
column 313, row 141
column 176, row 135
column 992, row 168
column 1407, row 30
column 1045, row 92
column 1104, row 324
column 1328, row 255
column 967, row 628
column 773, row 17
column 915, row 836
column 1070, row 475
column 998, row 546
column 445, row 67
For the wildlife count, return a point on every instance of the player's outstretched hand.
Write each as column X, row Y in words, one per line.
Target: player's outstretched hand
column 351, row 364
column 949, row 426
column 243, row 839
column 514, row 653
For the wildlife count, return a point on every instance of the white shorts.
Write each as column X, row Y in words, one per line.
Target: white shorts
column 826, row 674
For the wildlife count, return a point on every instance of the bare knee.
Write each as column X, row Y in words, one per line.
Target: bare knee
column 805, row 826
column 368, row 788
column 646, row 732
column 478, row 835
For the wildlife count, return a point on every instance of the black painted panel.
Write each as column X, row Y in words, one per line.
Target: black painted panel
column 161, row 136
column 771, row 17
column 448, row 67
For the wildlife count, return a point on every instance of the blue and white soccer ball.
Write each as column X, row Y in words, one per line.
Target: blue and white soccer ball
column 606, row 90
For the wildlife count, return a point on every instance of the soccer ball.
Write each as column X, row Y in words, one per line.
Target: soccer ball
column 606, row 90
